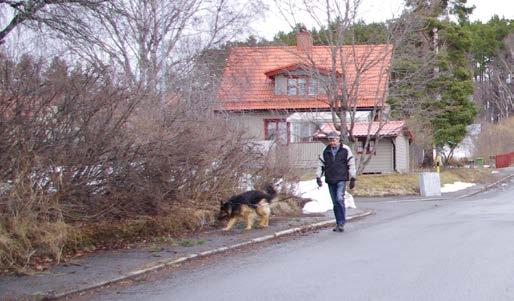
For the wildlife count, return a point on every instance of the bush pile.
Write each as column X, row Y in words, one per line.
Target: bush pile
column 82, row 156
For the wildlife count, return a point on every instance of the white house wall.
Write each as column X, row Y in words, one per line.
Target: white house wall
column 305, row 155
column 382, row 162
column 253, row 123
column 402, row 153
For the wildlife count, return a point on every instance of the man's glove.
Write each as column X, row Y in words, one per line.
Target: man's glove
column 352, row 183
column 318, row 180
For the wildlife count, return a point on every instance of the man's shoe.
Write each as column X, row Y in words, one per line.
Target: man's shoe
column 338, row 228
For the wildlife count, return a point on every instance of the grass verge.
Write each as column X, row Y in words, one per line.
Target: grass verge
column 408, row 183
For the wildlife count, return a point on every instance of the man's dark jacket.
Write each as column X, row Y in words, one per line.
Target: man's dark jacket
column 336, row 169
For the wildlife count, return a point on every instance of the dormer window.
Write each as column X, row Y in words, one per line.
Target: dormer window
column 296, row 86
column 302, row 86
column 312, row 87
column 298, row 80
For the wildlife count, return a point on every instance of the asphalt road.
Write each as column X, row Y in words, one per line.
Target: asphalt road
column 422, row 250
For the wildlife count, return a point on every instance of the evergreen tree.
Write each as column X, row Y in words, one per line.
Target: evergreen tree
column 487, row 40
column 455, row 108
column 437, row 51
column 359, row 33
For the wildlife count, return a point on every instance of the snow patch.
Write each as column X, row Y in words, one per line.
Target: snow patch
column 456, row 186
column 321, row 201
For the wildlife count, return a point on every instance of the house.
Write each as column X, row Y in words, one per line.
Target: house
column 390, row 153
column 279, row 94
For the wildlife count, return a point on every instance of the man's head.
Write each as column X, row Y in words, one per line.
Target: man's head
column 333, row 139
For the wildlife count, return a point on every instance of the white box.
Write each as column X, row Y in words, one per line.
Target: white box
column 429, row 184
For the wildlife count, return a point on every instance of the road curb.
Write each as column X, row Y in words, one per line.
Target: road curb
column 175, row 262
column 487, row 187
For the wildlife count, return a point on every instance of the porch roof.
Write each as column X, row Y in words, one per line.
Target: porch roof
column 390, row 128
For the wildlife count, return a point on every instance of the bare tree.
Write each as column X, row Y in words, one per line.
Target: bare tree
column 495, row 87
column 350, row 66
column 124, row 132
column 77, row 147
column 34, row 12
column 150, row 42
column 495, row 138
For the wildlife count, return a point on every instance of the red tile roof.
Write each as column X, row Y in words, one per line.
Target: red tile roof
column 245, row 85
column 297, row 66
column 390, row 128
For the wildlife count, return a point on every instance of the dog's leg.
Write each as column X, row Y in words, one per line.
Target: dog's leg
column 264, row 212
column 230, row 224
column 249, row 217
column 268, row 214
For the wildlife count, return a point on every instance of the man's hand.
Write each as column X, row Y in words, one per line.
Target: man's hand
column 318, row 180
column 352, row 183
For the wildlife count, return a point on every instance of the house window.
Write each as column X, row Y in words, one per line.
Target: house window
column 369, row 150
column 303, row 131
column 313, row 86
column 276, row 130
column 291, row 86
column 302, row 86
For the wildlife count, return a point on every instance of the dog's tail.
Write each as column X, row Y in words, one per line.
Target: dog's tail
column 271, row 191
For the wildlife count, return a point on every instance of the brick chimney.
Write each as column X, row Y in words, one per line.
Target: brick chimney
column 304, row 41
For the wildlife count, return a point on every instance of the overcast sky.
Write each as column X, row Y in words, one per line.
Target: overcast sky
column 380, row 10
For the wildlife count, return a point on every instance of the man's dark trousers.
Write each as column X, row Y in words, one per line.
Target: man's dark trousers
column 337, row 195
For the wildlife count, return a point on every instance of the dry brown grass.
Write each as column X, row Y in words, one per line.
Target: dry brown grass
column 24, row 241
column 496, row 139
column 471, row 175
column 389, row 184
column 115, row 234
column 288, row 206
column 408, row 184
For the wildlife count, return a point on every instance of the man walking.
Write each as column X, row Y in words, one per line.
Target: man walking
column 338, row 165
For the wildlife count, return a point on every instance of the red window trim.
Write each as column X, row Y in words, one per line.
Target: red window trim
column 371, row 149
column 276, row 121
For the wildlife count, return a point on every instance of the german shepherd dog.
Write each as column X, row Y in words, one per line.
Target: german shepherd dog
column 246, row 206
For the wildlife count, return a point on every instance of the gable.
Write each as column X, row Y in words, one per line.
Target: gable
column 298, row 69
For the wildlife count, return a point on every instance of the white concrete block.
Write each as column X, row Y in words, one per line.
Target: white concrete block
column 429, row 184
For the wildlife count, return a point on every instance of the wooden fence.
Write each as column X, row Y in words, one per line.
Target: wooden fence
column 504, row 160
